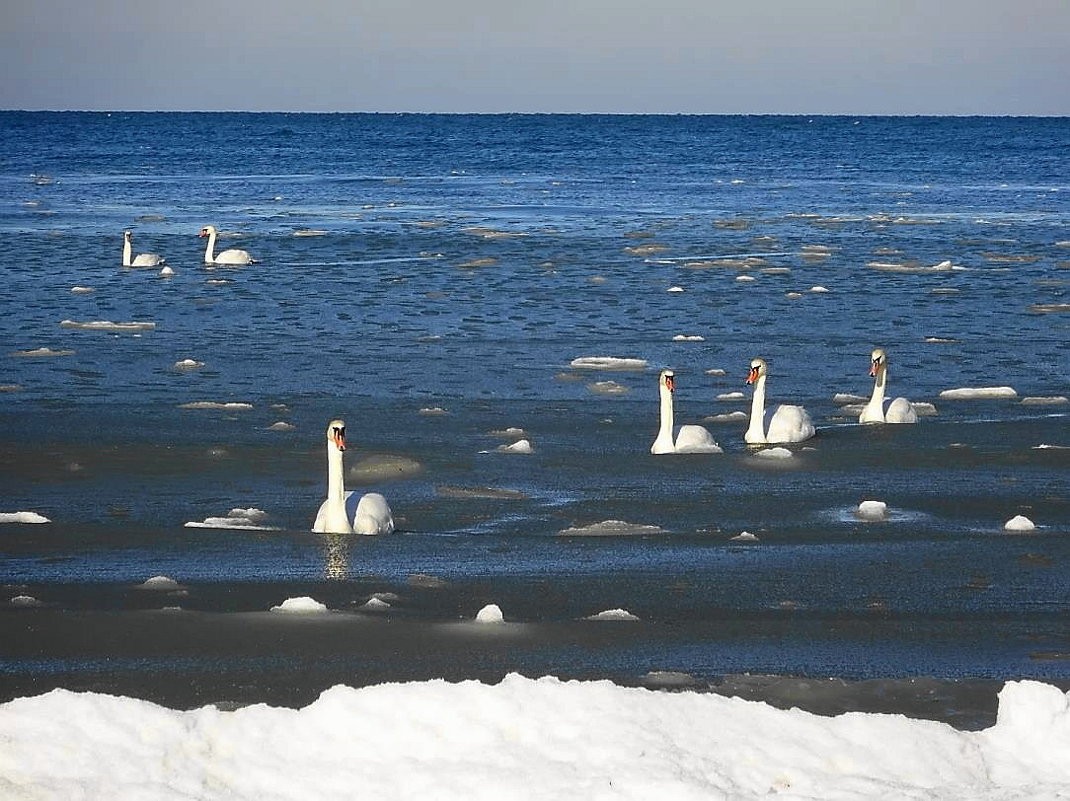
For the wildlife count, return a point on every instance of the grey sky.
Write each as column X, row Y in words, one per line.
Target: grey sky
column 644, row 56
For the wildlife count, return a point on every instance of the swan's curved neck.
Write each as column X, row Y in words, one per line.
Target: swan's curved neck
column 209, row 255
column 756, row 429
column 127, row 250
column 336, row 490
column 876, row 401
column 664, row 443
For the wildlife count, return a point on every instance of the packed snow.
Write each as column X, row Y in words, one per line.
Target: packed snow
column 525, row 739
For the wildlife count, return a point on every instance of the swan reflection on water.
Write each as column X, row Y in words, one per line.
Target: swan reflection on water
column 336, row 556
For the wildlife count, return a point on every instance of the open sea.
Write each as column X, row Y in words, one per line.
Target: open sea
column 433, row 280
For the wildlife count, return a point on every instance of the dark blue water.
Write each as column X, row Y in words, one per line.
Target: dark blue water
column 432, row 278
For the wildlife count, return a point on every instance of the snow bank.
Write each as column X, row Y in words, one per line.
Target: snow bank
column 524, row 739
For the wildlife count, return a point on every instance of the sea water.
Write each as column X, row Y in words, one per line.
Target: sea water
column 433, row 280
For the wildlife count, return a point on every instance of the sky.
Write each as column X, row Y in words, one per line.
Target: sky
column 990, row 57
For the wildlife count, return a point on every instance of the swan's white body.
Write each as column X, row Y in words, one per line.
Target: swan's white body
column 141, row 259
column 690, row 438
column 785, row 424
column 232, row 256
column 342, row 512
column 878, row 410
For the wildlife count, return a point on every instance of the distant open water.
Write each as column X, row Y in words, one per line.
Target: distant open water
column 430, row 279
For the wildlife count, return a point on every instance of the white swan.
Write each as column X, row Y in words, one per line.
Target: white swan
column 231, row 256
column 899, row 410
column 371, row 515
column 689, row 439
column 785, row 424
column 141, row 259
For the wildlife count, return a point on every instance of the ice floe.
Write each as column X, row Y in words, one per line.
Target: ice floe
column 227, row 406
column 520, row 446
column 744, row 536
column 82, row 290
column 607, row 363
column 607, row 388
column 976, row 393
column 37, row 353
column 730, row 396
column 250, row 519
column 281, row 425
column 727, row 417
column 24, row 602
column 23, row 517
column 688, row 338
column 1019, row 523
column 303, row 605
column 188, row 364
column 611, row 528
column 159, row 583
column 107, row 325
column 614, row 614
column 872, row 511
column 774, row 454
column 491, row 613
column 1045, row 400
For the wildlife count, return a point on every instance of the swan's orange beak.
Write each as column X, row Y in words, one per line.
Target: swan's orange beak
column 874, row 368
column 204, row 232
column 670, row 383
column 752, row 376
column 340, row 439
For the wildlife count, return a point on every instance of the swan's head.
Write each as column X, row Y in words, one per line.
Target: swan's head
column 336, row 434
column 757, row 370
column 208, row 230
column 128, row 235
column 879, row 362
column 668, row 380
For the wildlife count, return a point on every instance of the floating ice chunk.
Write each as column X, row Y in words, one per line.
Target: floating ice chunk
column 37, row 353
column 250, row 519
column 490, row 613
column 923, row 409
column 188, row 364
column 613, row 614
column 303, row 605
column 716, row 371
column 230, row 407
column 511, row 432
column 774, row 453
column 433, row 411
column 675, row 289
column 308, row 231
column 730, row 396
column 24, row 601
column 744, row 536
column 1049, row 400
column 1050, row 308
column 82, row 290
column 607, row 388
column 793, row 295
column 1043, row 447
column 611, row 528
column 375, row 604
column 607, row 363
column 159, row 583
column 107, row 325
column 844, row 397
column 281, row 425
column 688, row 338
column 872, row 510
column 745, row 278
column 520, row 446
column 1019, row 523
column 942, row 341
column 818, row 290
column 23, row 517
column 166, row 272
column 728, row 417
column 10, row 387
column 972, row 393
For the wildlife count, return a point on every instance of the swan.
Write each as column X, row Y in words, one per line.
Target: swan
column 231, row 256
column 689, row 439
column 899, row 410
column 370, row 515
column 141, row 259
column 785, row 424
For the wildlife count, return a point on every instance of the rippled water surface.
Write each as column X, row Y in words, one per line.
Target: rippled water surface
column 431, row 279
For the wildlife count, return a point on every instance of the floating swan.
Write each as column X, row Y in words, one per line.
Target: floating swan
column 785, row 424
column 689, row 439
column 371, row 515
column 231, row 256
column 899, row 410
column 141, row 259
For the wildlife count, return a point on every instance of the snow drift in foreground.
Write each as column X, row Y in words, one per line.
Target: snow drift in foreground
column 524, row 738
